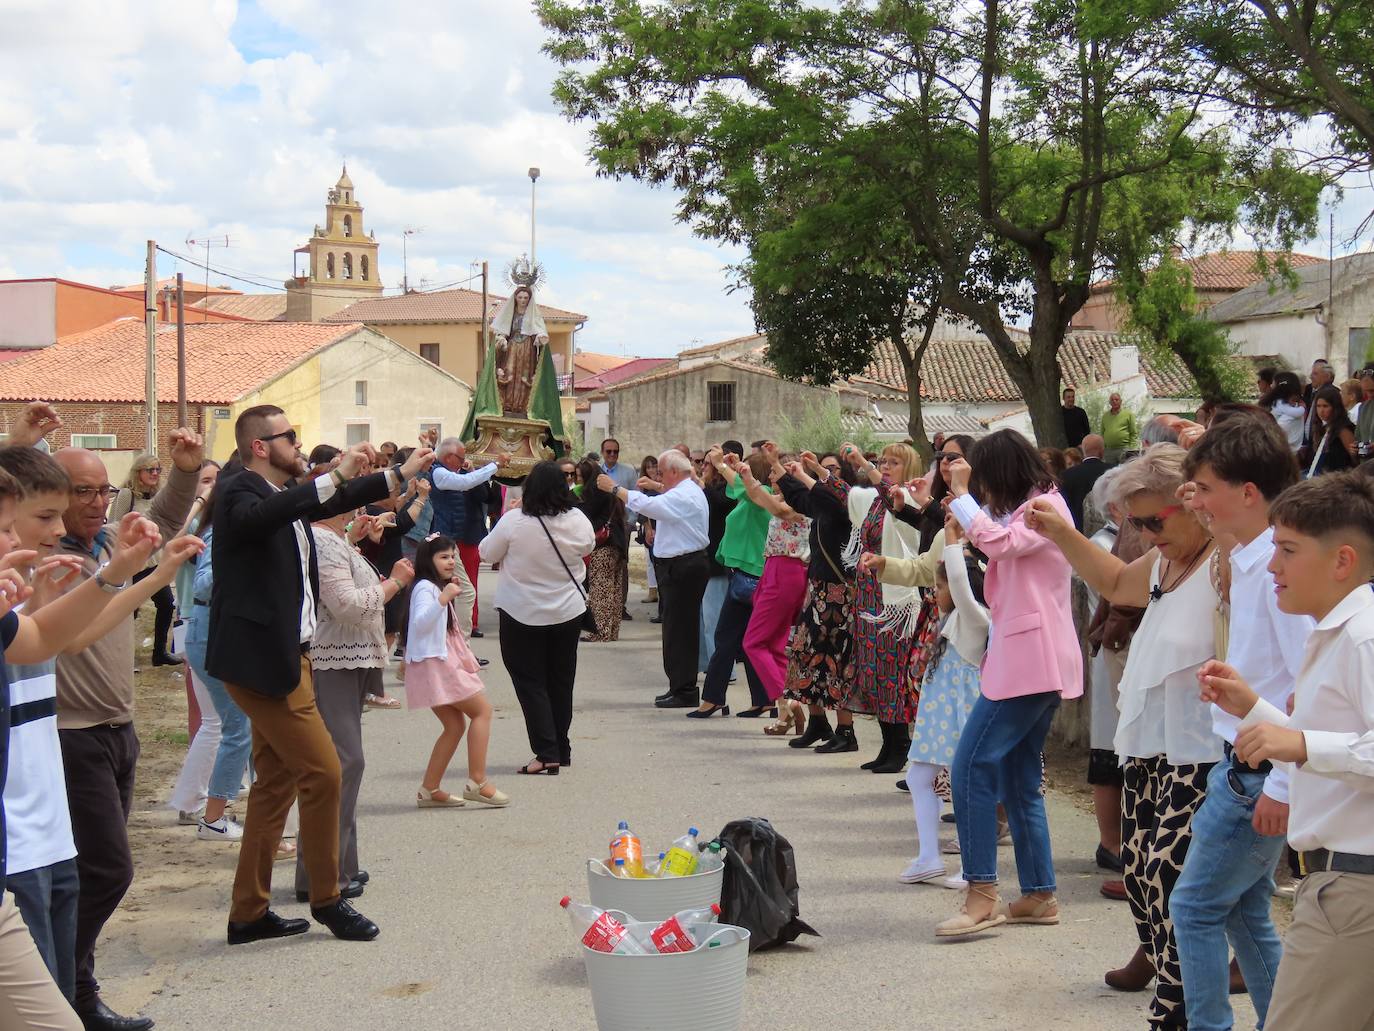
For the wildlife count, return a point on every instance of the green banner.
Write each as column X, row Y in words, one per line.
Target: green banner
column 487, row 400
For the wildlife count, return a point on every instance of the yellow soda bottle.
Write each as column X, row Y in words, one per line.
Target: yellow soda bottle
column 681, row 860
column 625, row 845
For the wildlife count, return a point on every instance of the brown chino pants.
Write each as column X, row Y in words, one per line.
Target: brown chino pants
column 29, row 1000
column 294, row 757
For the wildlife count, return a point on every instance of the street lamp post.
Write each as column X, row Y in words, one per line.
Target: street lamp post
column 534, row 176
column 405, row 263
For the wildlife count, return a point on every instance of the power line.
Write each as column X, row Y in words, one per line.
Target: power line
column 221, row 272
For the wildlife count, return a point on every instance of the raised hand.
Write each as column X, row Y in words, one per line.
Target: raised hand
column 502, row 460
column 851, row 454
column 188, row 449
column 178, row 552
column 356, row 460
column 422, row 487
column 403, row 572
column 648, row 484
column 606, row 484
column 420, row 459
column 873, row 562
column 358, row 528
column 957, row 472
column 1046, row 520
column 37, row 420
column 954, row 530
column 136, row 539
column 13, row 590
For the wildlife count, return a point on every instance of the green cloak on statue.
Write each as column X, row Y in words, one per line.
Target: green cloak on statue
column 545, row 404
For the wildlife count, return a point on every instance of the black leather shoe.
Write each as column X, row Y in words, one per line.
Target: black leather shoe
column 677, row 701
column 362, row 877
column 102, row 1018
column 483, row 663
column 655, row 619
column 354, row 889
column 902, row 785
column 269, row 925
column 346, row 922
column 843, row 740
column 477, row 633
column 166, row 660
column 817, row 730
column 626, row 615
column 1107, row 860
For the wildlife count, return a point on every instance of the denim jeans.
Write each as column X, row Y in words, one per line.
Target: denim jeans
column 729, row 648
column 1223, row 893
column 236, row 732
column 47, row 898
column 998, row 759
column 711, row 602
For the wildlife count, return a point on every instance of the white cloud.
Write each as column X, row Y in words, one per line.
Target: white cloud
column 214, row 117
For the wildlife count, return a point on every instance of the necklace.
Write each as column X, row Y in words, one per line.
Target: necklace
column 1160, row 590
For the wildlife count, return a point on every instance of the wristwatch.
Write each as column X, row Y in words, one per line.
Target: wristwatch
column 104, row 584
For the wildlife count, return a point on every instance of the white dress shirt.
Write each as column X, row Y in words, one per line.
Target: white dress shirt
column 1331, row 796
column 683, row 517
column 536, row 587
column 1266, row 645
column 447, row 479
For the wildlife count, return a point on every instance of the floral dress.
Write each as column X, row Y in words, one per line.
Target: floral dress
column 951, row 687
column 819, row 653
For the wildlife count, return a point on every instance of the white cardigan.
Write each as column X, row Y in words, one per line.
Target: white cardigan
column 427, row 632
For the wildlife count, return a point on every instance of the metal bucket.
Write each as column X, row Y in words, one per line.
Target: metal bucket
column 654, row 899
column 701, row 990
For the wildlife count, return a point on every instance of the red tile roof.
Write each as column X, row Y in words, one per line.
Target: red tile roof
column 593, row 364
column 1229, row 270
column 437, row 306
column 619, row 374
column 224, row 361
column 257, row 307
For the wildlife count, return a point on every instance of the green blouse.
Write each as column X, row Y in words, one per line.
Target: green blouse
column 746, row 532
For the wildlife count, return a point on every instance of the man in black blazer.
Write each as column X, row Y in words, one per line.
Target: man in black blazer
column 262, row 617
column 1077, row 483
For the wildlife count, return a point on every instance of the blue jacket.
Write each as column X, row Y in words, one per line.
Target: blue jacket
column 461, row 514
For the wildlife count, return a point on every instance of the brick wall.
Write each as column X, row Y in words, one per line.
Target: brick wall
column 124, row 419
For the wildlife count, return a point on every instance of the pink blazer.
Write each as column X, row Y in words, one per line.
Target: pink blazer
column 1034, row 646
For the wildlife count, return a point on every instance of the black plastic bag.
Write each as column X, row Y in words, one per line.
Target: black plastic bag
column 759, row 891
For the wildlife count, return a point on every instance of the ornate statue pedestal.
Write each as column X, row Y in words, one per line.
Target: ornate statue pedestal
column 520, row 440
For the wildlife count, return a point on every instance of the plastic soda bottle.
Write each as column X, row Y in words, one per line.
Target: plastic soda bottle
column 625, row 845
column 681, row 859
column 600, row 931
column 618, row 869
column 711, row 859
column 657, row 870
column 675, row 934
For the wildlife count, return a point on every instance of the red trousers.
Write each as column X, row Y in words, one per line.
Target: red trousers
column 472, row 561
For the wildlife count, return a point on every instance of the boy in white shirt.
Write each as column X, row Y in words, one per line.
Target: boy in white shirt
column 1323, row 561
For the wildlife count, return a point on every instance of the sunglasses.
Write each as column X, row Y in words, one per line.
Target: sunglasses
column 947, row 456
column 156, row 470
column 1154, row 523
column 288, row 435
column 610, row 451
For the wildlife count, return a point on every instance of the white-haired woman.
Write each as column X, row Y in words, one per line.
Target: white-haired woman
column 1164, row 735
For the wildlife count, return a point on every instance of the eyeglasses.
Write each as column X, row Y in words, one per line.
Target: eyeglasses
column 288, row 435
column 84, row 494
column 1154, row 523
column 570, row 476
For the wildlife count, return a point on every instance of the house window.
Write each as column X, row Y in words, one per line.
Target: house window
column 357, row 432
column 363, row 263
column 348, row 266
column 348, row 225
column 430, row 353
column 94, row 441
column 720, row 402
column 360, row 392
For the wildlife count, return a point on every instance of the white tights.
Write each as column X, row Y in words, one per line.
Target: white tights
column 920, row 778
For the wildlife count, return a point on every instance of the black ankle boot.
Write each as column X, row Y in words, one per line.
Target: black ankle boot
column 843, row 740
column 899, row 743
column 881, row 759
column 817, row 729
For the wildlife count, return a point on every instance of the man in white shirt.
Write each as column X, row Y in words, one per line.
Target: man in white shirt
column 680, row 563
column 1323, row 560
column 1236, row 470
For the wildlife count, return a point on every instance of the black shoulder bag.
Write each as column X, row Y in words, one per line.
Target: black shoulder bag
column 588, row 620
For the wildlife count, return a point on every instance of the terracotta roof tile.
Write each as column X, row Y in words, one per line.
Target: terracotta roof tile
column 594, row 364
column 258, row 307
column 224, row 361
column 1229, row 270
column 436, row 306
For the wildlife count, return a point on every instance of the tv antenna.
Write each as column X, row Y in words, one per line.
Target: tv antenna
column 207, row 242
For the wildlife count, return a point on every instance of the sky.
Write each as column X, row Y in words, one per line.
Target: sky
column 126, row 121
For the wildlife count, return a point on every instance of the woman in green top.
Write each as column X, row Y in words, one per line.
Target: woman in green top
column 740, row 552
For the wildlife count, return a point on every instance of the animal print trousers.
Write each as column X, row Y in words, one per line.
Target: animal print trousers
column 1157, row 806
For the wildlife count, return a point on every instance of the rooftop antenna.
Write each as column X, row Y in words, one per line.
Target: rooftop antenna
column 406, row 233
column 207, row 242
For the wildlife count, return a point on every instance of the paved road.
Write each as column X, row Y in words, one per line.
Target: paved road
column 472, row 936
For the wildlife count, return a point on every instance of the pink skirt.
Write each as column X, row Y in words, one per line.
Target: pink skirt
column 433, row 682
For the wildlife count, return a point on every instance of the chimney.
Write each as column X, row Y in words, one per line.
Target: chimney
column 164, row 304
column 1125, row 362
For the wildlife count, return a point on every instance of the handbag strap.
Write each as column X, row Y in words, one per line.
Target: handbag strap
column 560, row 558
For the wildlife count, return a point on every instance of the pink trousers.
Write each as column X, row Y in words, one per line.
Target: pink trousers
column 777, row 604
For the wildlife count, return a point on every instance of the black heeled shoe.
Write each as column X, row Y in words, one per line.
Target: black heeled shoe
column 899, row 744
column 701, row 714
column 817, row 730
column 881, row 759
column 755, row 713
column 843, row 740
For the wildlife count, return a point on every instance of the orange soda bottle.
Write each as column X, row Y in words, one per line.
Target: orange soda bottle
column 625, row 845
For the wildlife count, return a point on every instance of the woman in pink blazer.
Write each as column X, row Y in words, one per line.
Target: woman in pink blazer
column 1033, row 660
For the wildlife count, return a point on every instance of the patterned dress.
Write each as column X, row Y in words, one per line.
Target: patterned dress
column 881, row 681
column 819, row 654
column 947, row 697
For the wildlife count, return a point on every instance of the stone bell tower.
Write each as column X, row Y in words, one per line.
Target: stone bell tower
column 341, row 260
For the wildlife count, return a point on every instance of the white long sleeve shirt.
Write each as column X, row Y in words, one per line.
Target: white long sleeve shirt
column 447, row 479
column 682, row 515
column 1266, row 645
column 1331, row 795
column 537, row 585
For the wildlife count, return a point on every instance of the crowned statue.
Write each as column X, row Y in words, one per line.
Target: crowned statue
column 520, row 340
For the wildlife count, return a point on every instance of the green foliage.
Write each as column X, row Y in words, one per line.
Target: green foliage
column 821, row 428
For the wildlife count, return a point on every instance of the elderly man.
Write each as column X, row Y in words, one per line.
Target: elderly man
column 680, row 563
column 1364, row 429
column 95, row 713
column 460, row 503
column 1322, row 375
column 1077, row 483
column 1120, row 434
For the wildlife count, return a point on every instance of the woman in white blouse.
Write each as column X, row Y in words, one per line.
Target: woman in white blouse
column 347, row 656
column 540, row 547
column 1164, row 735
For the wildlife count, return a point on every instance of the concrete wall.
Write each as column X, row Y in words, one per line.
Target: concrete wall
column 652, row 414
column 1298, row 339
column 28, row 314
column 297, row 393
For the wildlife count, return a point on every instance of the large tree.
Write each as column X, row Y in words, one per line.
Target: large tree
column 1027, row 145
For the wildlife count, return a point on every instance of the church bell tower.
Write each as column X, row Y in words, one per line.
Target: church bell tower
column 341, row 265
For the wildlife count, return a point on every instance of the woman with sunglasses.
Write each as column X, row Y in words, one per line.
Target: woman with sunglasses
column 145, row 477
column 1164, row 732
column 609, row 563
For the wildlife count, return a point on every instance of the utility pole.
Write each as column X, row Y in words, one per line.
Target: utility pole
column 406, row 233
column 534, row 176
column 150, row 356
column 181, row 354
column 485, row 335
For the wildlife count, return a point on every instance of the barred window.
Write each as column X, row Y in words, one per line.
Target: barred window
column 720, row 402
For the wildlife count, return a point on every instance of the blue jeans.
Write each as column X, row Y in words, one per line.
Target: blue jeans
column 236, row 733
column 998, row 759
column 1223, row 893
column 731, row 626
column 46, row 898
column 711, row 602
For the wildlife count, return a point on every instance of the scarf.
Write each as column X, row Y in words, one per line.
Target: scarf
column 901, row 606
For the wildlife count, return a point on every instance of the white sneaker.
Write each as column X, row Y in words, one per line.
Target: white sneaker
column 223, row 829
column 955, row 883
column 915, row 874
